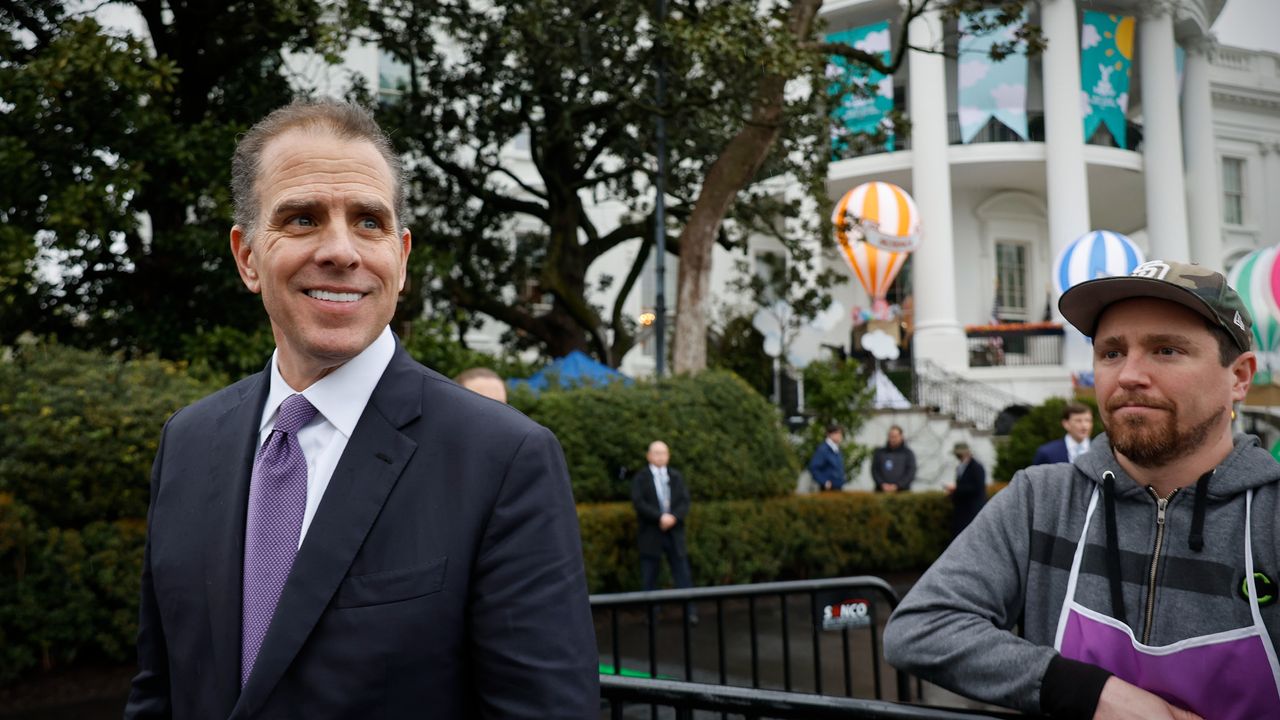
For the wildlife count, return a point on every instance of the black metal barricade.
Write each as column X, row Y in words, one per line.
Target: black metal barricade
column 850, row 606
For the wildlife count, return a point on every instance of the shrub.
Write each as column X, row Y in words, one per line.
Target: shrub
column 78, row 430
column 68, row 593
column 726, row 439
column 1042, row 424
column 797, row 537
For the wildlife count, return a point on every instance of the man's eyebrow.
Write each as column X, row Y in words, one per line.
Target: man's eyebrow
column 302, row 206
column 296, row 206
column 363, row 206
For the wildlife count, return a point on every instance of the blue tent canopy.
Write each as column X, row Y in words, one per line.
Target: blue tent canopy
column 572, row 370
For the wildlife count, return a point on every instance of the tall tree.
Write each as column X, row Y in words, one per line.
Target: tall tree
column 528, row 116
column 114, row 204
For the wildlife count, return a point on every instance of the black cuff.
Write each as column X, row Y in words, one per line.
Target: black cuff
column 1070, row 688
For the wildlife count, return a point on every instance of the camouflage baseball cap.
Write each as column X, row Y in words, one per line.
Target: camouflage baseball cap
column 1187, row 284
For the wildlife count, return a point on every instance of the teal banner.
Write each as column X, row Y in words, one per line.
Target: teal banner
column 987, row 88
column 865, row 111
column 1106, row 54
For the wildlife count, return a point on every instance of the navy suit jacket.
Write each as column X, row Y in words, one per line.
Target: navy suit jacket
column 1054, row 451
column 441, row 576
column 827, row 466
column 644, row 497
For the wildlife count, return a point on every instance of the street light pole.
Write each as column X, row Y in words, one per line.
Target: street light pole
column 660, row 189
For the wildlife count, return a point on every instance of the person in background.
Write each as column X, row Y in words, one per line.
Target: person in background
column 661, row 500
column 893, row 467
column 827, row 464
column 1077, row 420
column 483, row 381
column 969, row 491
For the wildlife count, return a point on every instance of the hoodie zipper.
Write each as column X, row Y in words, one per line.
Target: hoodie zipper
column 1162, row 504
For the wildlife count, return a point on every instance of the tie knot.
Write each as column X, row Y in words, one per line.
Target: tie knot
column 295, row 412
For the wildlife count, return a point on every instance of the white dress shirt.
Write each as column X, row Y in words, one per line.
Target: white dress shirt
column 661, row 485
column 339, row 398
column 1076, row 449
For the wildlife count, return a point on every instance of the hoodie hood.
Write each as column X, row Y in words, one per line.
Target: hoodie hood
column 1247, row 467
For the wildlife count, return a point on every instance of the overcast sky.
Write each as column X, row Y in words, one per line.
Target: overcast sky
column 1252, row 24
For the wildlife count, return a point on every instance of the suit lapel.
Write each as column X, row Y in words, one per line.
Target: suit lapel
column 231, row 462
column 370, row 465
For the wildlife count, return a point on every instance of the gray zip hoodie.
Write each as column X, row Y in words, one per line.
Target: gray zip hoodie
column 1012, row 563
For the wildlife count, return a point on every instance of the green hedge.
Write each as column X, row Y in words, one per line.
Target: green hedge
column 78, row 430
column 68, row 593
column 797, row 537
column 726, row 439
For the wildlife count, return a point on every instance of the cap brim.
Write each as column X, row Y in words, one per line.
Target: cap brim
column 1083, row 304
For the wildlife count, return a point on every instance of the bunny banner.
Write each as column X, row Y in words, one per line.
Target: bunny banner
column 1106, row 52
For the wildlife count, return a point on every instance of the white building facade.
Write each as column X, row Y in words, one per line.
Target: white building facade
column 1192, row 182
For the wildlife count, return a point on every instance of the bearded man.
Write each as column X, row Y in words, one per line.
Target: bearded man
column 1145, row 573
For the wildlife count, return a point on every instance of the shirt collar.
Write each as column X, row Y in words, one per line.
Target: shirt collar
column 657, row 471
column 832, row 444
column 341, row 395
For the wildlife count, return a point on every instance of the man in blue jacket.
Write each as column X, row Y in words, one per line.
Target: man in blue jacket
column 827, row 464
column 1077, row 420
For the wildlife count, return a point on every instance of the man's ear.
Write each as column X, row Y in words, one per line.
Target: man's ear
column 1242, row 372
column 242, row 251
column 406, row 242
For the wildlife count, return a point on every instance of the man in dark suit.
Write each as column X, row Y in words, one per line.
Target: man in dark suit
column 827, row 464
column 1077, row 420
column 661, row 500
column 347, row 533
column 969, row 491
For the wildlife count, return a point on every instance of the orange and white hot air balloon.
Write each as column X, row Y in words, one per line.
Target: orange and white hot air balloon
column 880, row 213
column 877, row 225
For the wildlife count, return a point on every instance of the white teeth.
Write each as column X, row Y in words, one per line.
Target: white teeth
column 333, row 296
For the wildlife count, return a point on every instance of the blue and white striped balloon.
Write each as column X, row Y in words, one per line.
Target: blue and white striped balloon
column 1100, row 253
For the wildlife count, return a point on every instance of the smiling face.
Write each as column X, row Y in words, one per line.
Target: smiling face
column 1163, row 393
column 325, row 255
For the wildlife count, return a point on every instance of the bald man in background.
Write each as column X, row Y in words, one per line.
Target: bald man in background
column 483, row 381
column 661, row 500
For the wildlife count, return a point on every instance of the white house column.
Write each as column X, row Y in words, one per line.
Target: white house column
column 1066, row 183
column 1162, row 137
column 938, row 335
column 1204, row 197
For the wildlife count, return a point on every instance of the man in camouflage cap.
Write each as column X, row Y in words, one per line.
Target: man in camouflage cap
column 1145, row 573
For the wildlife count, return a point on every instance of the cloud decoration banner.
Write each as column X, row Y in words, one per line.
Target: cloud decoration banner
column 990, row 89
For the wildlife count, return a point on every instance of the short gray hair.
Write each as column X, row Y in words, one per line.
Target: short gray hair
column 345, row 120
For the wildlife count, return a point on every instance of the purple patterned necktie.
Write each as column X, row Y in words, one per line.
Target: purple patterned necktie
column 277, row 502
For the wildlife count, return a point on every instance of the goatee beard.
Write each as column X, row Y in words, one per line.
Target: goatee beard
column 1152, row 444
